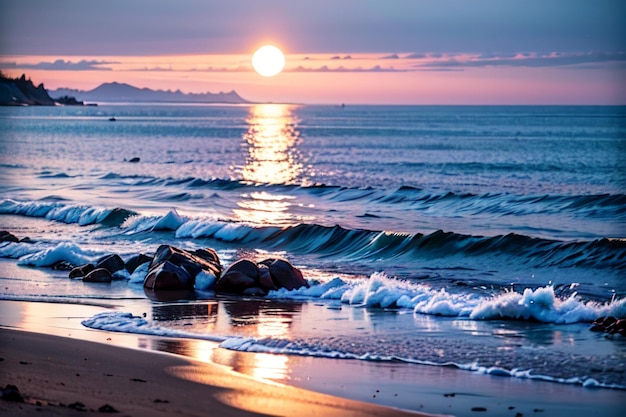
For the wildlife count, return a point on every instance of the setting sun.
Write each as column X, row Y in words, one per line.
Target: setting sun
column 268, row 61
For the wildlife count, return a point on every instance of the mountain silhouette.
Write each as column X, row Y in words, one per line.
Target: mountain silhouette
column 122, row 92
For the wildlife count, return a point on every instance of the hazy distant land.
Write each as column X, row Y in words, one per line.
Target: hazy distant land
column 22, row 92
column 121, row 92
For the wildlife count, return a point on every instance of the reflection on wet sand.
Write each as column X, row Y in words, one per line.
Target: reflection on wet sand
column 257, row 318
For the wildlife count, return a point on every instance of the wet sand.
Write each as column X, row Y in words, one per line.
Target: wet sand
column 64, row 376
column 189, row 377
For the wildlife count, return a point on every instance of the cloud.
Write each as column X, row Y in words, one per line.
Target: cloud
column 63, row 65
column 325, row 68
column 532, row 60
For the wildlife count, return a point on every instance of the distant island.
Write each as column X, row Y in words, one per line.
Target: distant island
column 122, row 92
column 22, row 92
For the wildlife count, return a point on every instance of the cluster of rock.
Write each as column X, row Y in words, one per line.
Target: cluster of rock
column 108, row 267
column 249, row 278
column 10, row 237
column 610, row 325
column 173, row 268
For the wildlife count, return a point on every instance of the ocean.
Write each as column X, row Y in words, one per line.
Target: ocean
column 484, row 239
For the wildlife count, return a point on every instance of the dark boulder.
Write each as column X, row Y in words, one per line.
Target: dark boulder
column 81, row 271
column 8, row 237
column 285, row 275
column 11, row 393
column 189, row 265
column 134, row 261
column 247, row 278
column 98, row 275
column 168, row 276
column 238, row 277
column 610, row 325
column 111, row 263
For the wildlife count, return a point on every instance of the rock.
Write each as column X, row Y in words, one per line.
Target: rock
column 134, row 160
column 168, row 276
column 247, row 278
column 81, row 271
column 610, row 325
column 134, row 261
column 285, row 275
column 98, row 275
column 11, row 393
column 111, row 263
column 189, row 266
column 238, row 277
column 207, row 254
column 62, row 265
column 255, row 292
column 265, row 278
column 8, row 237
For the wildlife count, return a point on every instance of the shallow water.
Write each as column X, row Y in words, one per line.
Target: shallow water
column 483, row 238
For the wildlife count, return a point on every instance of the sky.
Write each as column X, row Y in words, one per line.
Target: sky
column 337, row 51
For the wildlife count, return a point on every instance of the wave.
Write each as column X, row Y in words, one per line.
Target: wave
column 541, row 304
column 347, row 244
column 600, row 206
column 355, row 244
column 128, row 323
column 67, row 213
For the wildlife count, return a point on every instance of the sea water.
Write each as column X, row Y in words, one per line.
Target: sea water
column 482, row 238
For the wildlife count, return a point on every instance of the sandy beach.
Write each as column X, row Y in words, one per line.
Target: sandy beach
column 63, row 376
column 62, row 368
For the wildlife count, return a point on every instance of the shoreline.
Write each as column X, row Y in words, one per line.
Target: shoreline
column 394, row 386
column 62, row 376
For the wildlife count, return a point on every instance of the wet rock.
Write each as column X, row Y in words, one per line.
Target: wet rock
column 81, row 271
column 168, row 276
column 134, row 160
column 176, row 269
column 610, row 325
column 111, row 263
column 98, row 275
column 208, row 254
column 285, row 275
column 106, row 408
column 11, row 393
column 265, row 278
column 238, row 277
column 247, row 278
column 62, row 266
column 134, row 261
column 8, row 237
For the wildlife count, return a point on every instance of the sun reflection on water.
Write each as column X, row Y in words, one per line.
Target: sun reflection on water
column 271, row 141
column 272, row 157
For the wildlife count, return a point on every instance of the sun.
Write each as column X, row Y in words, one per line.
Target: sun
column 268, row 61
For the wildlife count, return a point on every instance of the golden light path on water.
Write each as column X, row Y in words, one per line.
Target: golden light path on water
column 271, row 144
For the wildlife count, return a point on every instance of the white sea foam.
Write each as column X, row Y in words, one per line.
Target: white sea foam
column 378, row 290
column 138, row 276
column 125, row 322
column 66, row 213
column 35, row 255
column 128, row 323
column 171, row 221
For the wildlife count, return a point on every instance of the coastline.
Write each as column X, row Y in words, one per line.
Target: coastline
column 63, row 376
column 54, row 342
